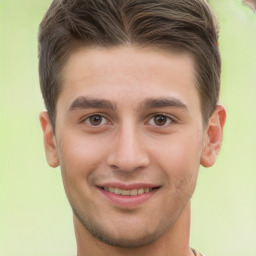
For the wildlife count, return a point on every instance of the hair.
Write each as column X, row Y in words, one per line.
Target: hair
column 184, row 25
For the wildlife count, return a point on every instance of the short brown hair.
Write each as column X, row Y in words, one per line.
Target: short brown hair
column 187, row 25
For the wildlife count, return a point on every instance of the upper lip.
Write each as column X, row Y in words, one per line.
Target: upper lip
column 128, row 186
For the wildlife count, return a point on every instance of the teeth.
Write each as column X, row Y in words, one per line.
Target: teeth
column 117, row 191
column 141, row 191
column 112, row 190
column 133, row 192
column 126, row 192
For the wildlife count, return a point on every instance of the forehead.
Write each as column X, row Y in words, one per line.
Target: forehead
column 130, row 73
column 134, row 60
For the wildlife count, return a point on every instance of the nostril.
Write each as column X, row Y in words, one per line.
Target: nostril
column 114, row 167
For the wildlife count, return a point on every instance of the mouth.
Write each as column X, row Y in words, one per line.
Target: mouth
column 128, row 196
column 128, row 192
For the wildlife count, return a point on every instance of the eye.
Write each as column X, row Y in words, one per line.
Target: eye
column 96, row 120
column 160, row 120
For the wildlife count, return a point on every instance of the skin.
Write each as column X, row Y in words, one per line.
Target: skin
column 131, row 116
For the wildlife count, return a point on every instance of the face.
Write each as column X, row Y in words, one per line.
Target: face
column 129, row 139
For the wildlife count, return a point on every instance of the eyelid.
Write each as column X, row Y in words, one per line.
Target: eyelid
column 87, row 117
column 172, row 119
column 108, row 121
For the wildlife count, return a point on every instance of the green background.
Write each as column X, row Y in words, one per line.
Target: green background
column 35, row 218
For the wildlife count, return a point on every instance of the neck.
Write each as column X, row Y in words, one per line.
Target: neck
column 175, row 242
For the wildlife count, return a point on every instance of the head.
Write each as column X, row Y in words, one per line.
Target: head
column 131, row 88
column 177, row 25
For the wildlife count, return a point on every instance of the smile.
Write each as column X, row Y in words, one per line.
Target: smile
column 127, row 192
column 128, row 196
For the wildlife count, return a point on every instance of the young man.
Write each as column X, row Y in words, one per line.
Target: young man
column 131, row 89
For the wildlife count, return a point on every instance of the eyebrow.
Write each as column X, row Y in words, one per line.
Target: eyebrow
column 164, row 102
column 86, row 102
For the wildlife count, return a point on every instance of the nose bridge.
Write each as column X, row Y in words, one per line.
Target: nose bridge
column 128, row 152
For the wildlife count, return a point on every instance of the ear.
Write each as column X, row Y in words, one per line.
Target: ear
column 213, row 136
column 49, row 140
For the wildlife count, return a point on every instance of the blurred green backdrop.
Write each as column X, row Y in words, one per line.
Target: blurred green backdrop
column 35, row 218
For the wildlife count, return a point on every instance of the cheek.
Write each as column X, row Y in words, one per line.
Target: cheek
column 79, row 153
column 180, row 161
column 181, row 156
column 79, row 157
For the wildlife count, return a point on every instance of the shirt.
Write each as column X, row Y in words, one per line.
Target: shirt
column 197, row 253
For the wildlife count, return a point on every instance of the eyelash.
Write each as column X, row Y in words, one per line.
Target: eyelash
column 88, row 121
column 169, row 120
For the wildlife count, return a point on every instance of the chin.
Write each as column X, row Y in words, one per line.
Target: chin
column 122, row 236
column 123, row 241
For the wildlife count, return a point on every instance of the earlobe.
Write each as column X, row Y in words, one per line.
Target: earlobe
column 49, row 140
column 213, row 136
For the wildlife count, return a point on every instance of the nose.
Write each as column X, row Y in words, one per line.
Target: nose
column 128, row 152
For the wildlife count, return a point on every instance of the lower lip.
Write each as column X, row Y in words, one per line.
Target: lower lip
column 128, row 201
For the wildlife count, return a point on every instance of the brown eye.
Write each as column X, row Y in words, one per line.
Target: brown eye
column 160, row 120
column 95, row 120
